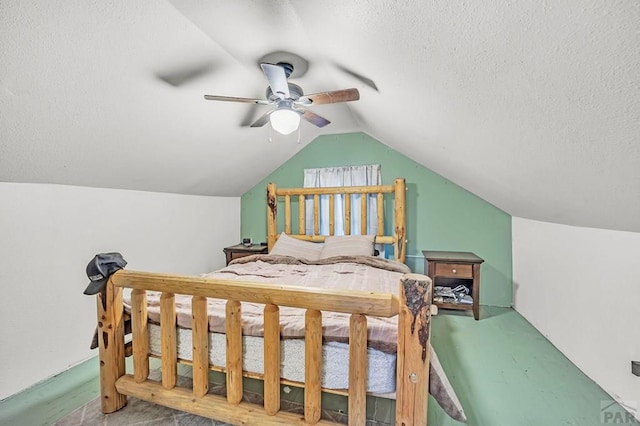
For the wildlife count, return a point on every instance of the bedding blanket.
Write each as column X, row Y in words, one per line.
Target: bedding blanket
column 362, row 273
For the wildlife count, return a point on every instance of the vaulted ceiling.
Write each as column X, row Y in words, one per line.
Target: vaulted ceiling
column 533, row 106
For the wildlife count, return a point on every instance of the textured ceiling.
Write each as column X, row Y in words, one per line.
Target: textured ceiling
column 533, row 106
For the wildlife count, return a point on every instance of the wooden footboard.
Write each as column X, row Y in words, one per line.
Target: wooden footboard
column 413, row 307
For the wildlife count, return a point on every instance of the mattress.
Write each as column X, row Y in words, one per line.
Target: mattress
column 381, row 373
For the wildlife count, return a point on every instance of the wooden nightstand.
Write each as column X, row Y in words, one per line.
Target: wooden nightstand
column 452, row 268
column 239, row 250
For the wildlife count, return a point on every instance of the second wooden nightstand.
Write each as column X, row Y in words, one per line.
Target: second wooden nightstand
column 239, row 250
column 451, row 268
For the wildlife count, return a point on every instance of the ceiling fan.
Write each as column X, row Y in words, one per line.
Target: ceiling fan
column 289, row 100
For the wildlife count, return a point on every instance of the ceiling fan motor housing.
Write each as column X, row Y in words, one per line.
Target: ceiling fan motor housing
column 295, row 93
column 288, row 68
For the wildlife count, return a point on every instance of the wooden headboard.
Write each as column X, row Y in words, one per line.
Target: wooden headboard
column 276, row 195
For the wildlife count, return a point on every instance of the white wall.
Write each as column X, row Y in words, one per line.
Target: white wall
column 48, row 234
column 581, row 288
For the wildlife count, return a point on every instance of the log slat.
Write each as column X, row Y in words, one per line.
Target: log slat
column 168, row 343
column 357, row 369
column 233, row 330
column 287, row 214
column 347, row 214
column 302, row 226
column 332, row 214
column 363, row 214
column 140, row 335
column 316, row 214
column 312, row 365
column 200, row 340
column 380, row 206
column 271, row 359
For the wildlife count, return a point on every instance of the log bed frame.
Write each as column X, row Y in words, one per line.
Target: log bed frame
column 412, row 307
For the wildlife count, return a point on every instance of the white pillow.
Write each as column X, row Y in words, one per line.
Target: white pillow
column 348, row 245
column 289, row 246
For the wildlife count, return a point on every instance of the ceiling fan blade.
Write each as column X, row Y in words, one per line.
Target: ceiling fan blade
column 236, row 99
column 248, row 116
column 262, row 120
column 314, row 118
column 277, row 80
column 179, row 76
column 362, row 78
column 334, row 97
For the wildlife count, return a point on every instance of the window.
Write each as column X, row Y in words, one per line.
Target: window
column 342, row 176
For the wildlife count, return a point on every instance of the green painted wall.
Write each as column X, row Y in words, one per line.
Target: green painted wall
column 440, row 214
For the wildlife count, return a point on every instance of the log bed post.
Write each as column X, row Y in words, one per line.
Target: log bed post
column 399, row 247
column 414, row 329
column 272, row 214
column 111, row 346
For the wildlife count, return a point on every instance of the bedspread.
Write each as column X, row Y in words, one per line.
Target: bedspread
column 344, row 273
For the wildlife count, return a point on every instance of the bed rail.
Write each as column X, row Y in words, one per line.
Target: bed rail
column 412, row 308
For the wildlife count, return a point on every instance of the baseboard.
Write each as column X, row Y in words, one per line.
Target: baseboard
column 46, row 402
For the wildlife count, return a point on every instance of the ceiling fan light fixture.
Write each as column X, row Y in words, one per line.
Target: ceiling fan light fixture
column 284, row 121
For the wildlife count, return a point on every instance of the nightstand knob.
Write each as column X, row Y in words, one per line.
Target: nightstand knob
column 454, row 271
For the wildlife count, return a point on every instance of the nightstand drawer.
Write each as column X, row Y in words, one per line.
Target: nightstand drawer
column 454, row 270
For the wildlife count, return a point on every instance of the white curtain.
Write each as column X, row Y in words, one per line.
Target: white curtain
column 342, row 176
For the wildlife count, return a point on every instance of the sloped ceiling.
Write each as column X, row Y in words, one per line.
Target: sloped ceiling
column 533, row 106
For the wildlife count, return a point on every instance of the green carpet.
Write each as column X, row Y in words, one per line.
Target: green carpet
column 506, row 373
